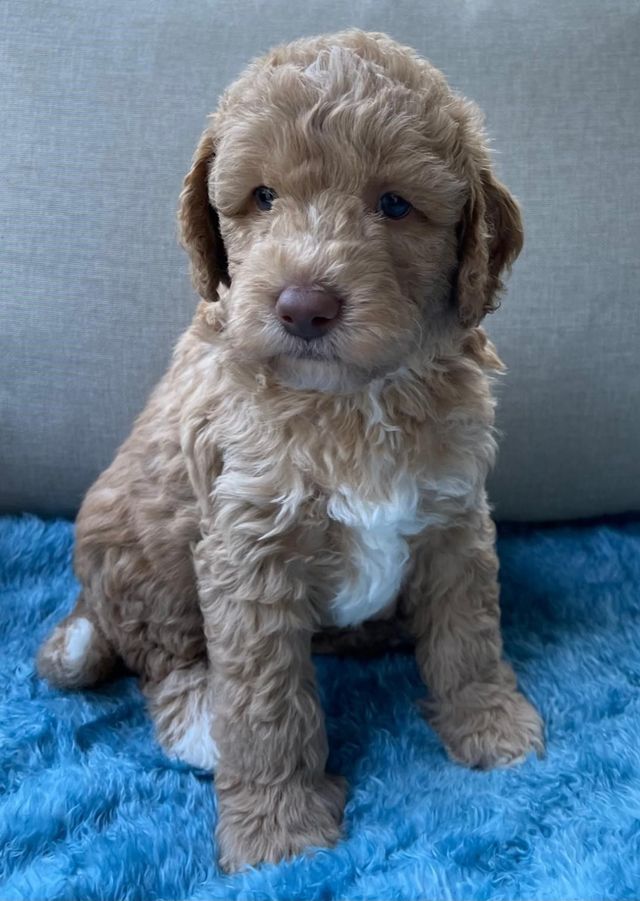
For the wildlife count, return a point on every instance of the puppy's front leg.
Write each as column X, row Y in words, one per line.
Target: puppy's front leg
column 274, row 796
column 474, row 704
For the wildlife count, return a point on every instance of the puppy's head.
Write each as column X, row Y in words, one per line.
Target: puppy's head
column 342, row 207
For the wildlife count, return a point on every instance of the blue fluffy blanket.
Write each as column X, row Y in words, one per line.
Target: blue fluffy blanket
column 91, row 808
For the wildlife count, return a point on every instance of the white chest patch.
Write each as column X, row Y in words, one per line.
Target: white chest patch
column 380, row 554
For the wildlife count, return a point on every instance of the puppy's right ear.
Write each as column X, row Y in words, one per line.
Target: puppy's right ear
column 199, row 227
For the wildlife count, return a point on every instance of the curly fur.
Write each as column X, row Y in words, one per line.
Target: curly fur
column 273, row 487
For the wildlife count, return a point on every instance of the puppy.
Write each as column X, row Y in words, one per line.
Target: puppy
column 316, row 455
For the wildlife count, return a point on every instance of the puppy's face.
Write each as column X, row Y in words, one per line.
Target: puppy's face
column 336, row 211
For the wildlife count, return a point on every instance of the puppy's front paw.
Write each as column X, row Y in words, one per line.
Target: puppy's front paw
column 487, row 725
column 278, row 822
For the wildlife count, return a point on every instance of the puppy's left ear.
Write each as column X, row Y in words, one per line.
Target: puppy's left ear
column 489, row 240
column 199, row 227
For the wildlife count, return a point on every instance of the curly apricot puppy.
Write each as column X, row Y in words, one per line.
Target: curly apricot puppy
column 316, row 454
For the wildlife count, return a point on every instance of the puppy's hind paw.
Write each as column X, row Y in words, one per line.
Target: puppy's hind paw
column 76, row 654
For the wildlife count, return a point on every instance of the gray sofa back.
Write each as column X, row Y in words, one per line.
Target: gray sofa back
column 101, row 107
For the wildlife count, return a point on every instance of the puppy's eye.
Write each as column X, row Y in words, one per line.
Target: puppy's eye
column 264, row 197
column 393, row 206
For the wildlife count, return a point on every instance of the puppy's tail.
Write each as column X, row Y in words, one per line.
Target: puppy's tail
column 77, row 654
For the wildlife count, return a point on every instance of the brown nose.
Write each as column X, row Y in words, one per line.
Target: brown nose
column 307, row 312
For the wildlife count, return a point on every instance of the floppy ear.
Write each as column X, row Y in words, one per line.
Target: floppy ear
column 198, row 225
column 490, row 238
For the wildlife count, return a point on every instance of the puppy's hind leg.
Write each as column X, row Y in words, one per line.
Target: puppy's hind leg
column 77, row 654
column 182, row 710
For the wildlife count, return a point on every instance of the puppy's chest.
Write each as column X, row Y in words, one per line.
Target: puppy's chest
column 375, row 536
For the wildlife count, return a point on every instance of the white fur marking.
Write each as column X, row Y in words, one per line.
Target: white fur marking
column 77, row 641
column 196, row 745
column 381, row 551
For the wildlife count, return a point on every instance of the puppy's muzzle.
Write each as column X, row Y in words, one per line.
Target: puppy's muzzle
column 308, row 312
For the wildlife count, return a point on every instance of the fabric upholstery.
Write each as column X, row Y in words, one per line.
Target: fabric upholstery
column 101, row 108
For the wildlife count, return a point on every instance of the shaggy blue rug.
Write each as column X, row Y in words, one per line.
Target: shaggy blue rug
column 91, row 809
